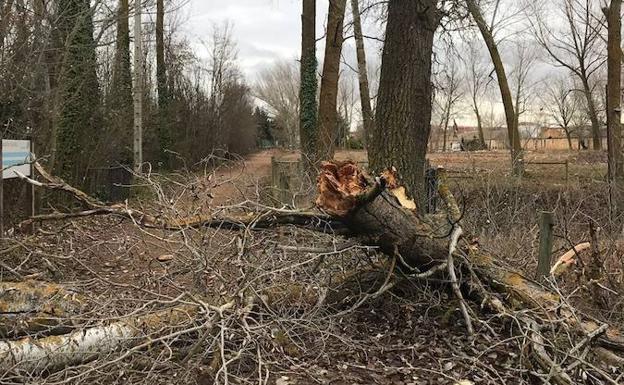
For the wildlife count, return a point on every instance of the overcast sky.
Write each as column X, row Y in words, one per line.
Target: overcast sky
column 265, row 30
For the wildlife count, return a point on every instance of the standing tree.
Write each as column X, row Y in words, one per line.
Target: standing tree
column 520, row 76
column 79, row 120
column 614, row 89
column 278, row 87
column 477, row 83
column 119, row 98
column 328, row 118
column 365, row 99
column 450, row 93
column 574, row 46
column 403, row 116
column 563, row 106
column 308, row 128
column 503, row 84
column 164, row 134
column 138, row 88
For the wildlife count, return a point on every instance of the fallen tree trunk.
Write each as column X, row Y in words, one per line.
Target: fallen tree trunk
column 374, row 211
column 36, row 355
column 33, row 307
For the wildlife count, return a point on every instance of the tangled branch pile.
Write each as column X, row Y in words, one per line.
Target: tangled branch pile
column 258, row 294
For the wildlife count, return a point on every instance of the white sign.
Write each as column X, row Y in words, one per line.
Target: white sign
column 15, row 157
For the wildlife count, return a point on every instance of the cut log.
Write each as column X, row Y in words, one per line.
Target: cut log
column 36, row 355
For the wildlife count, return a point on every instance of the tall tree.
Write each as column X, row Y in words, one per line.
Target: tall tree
column 79, row 120
column 119, row 98
column 164, row 134
column 403, row 114
column 138, row 89
column 477, row 83
column 328, row 118
column 308, row 128
column 614, row 89
column 365, row 100
column 503, row 84
column 575, row 46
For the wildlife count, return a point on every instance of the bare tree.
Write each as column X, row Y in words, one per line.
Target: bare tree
column 477, row 82
column 329, row 80
column 499, row 67
column 449, row 93
column 614, row 89
column 562, row 105
column 521, row 76
column 365, row 98
column 164, row 133
column 138, row 88
column 574, row 44
column 278, row 87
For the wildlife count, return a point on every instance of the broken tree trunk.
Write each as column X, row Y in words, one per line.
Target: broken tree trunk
column 376, row 211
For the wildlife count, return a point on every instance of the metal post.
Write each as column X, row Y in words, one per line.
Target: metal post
column 546, row 224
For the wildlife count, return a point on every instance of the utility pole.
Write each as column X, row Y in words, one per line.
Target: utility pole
column 138, row 89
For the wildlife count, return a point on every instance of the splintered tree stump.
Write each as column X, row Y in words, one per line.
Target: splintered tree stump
column 380, row 213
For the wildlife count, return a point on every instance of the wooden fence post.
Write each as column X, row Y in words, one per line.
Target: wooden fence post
column 546, row 224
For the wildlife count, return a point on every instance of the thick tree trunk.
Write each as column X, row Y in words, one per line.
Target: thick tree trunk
column 308, row 128
column 328, row 117
column 403, row 114
column 503, row 84
column 365, row 101
column 614, row 92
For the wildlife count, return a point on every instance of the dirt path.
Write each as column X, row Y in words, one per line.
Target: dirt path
column 242, row 179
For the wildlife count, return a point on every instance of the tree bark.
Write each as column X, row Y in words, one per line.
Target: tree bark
column 503, row 84
column 308, row 128
column 403, row 114
column 593, row 115
column 164, row 135
column 614, row 92
column 138, row 89
column 120, row 94
column 328, row 117
column 475, row 108
column 365, row 101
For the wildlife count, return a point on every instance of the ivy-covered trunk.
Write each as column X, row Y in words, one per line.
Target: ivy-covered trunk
column 119, row 98
column 80, row 123
column 307, row 93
